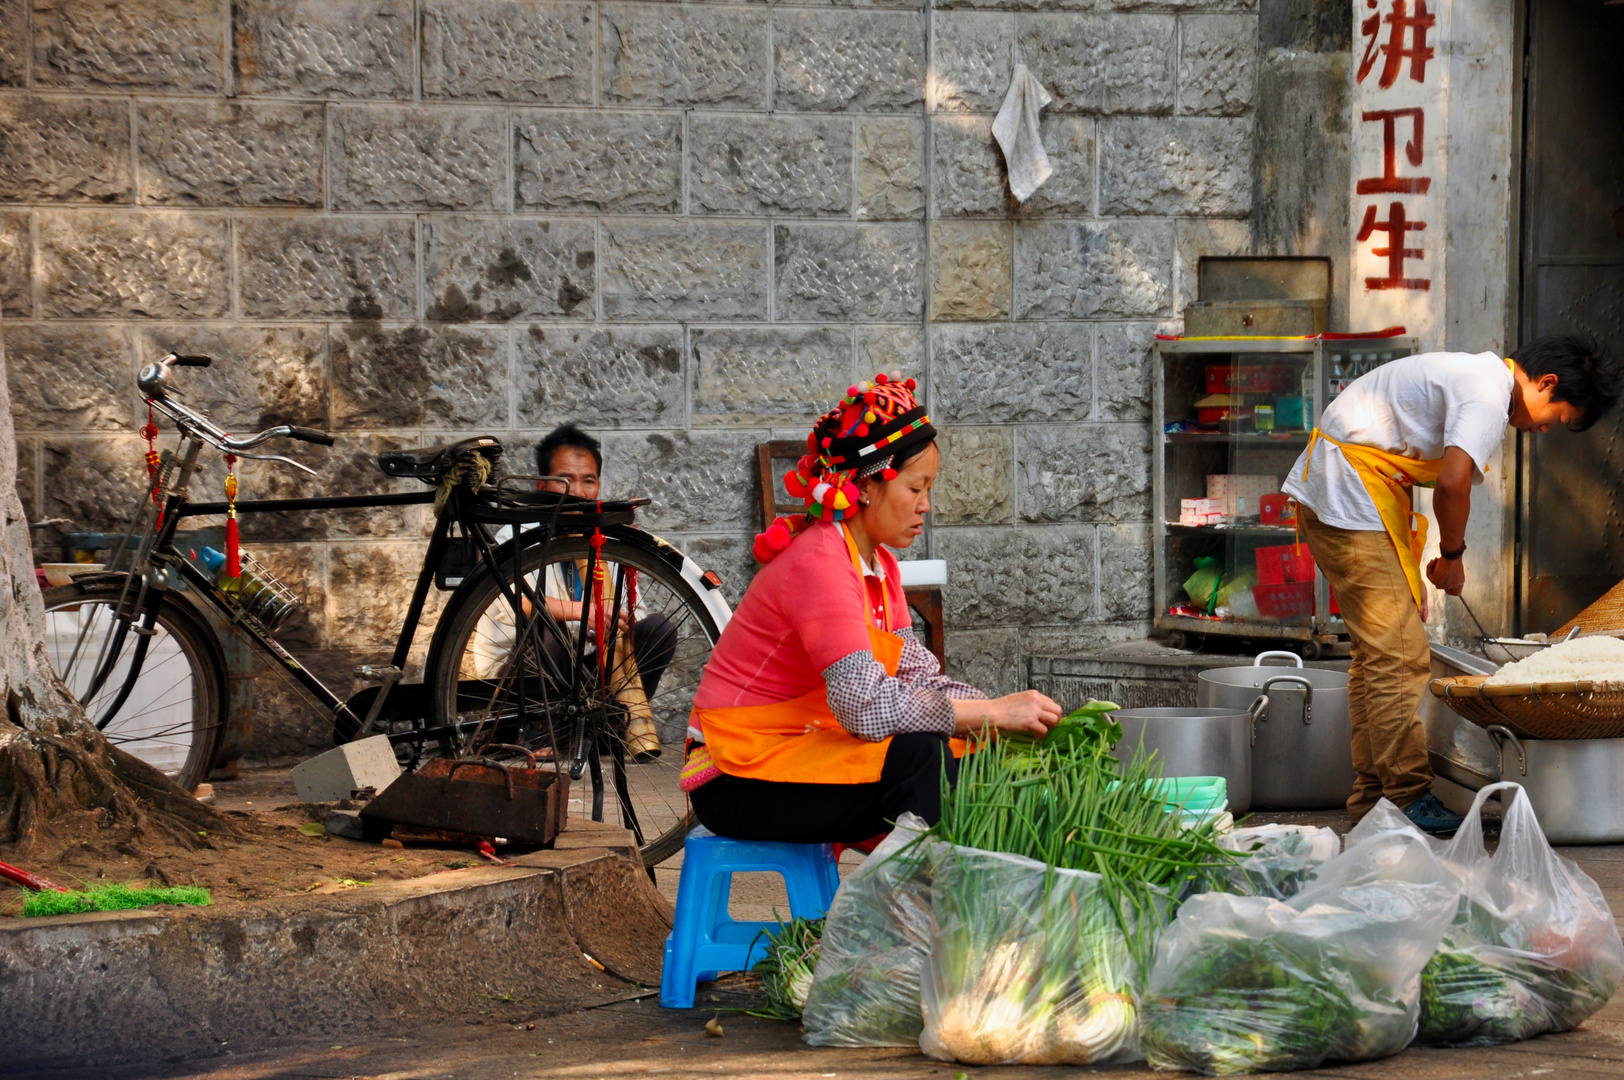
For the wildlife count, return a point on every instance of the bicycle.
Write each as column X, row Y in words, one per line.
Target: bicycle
column 575, row 635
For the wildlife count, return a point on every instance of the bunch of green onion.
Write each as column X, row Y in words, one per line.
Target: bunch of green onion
column 786, row 969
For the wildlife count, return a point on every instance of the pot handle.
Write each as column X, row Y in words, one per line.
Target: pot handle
column 1308, row 693
column 1500, row 731
column 1256, row 713
column 1277, row 654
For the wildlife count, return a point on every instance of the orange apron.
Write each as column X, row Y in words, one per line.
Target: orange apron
column 800, row 741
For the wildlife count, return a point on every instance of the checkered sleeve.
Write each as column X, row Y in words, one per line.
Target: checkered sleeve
column 873, row 705
column 919, row 667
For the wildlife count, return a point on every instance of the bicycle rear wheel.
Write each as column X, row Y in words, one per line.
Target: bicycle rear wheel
column 477, row 672
column 173, row 714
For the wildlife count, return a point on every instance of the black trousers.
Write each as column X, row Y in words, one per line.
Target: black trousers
column 911, row 780
column 654, row 642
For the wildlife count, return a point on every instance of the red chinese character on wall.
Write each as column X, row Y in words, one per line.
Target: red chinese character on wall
column 1390, row 182
column 1396, row 227
column 1394, row 53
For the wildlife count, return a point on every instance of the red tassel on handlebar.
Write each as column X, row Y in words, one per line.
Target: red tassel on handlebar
column 233, row 551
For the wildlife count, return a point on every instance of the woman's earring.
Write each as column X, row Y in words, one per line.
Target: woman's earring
column 862, row 502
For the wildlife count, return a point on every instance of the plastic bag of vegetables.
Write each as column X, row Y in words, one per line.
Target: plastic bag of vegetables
column 876, row 937
column 1027, row 965
column 1278, row 860
column 1533, row 947
column 1249, row 983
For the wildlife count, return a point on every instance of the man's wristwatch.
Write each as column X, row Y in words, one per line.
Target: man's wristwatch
column 1452, row 555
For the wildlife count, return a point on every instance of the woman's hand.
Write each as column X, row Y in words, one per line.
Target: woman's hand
column 1027, row 711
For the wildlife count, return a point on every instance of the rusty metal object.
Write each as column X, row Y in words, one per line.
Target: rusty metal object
column 478, row 797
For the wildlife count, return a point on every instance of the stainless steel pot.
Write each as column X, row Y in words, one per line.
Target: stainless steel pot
column 1303, row 756
column 1576, row 786
column 1458, row 749
column 1198, row 742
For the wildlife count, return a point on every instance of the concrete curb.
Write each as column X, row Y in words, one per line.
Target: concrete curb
column 479, row 945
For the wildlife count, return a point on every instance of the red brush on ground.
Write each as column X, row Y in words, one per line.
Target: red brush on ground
column 27, row 880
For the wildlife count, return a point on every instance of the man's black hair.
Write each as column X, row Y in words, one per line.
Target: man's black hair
column 1586, row 373
column 561, row 436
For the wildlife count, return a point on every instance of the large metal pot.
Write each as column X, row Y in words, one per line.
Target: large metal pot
column 1198, row 742
column 1303, row 756
column 1576, row 786
column 1459, row 750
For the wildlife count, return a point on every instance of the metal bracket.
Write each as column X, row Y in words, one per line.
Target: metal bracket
column 387, row 677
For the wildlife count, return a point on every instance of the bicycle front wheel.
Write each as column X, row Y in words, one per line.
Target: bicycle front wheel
column 172, row 716
column 632, row 711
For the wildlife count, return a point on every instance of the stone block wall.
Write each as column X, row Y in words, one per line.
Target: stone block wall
column 685, row 226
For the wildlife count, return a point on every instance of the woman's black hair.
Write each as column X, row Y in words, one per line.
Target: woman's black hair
column 1587, row 375
column 561, row 436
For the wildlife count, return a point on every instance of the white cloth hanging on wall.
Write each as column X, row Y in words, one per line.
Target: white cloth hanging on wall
column 1016, row 129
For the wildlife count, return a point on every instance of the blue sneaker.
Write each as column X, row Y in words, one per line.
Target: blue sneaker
column 1430, row 815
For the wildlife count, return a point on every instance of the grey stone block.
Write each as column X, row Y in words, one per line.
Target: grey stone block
column 1195, row 237
column 327, row 267
column 614, row 162
column 630, row 376
column 415, row 157
column 770, row 165
column 971, row 62
column 93, row 482
column 345, row 823
column 1123, row 370
column 684, row 270
column 970, row 270
column 16, row 265
column 1084, row 472
column 974, row 485
column 324, row 48
column 351, row 468
column 413, row 376
column 64, row 150
column 1017, row 577
column 664, row 54
column 70, row 378
column 890, row 167
column 261, row 376
column 100, row 263
column 207, row 153
column 1217, row 64
column 899, row 349
column 1011, row 374
column 833, row 61
column 728, row 556
column 703, row 480
column 1315, row 26
column 843, row 272
column 1085, row 270
column 93, row 45
column 479, row 269
column 14, row 45
column 759, row 377
column 509, row 50
column 1126, row 572
column 1178, row 5
column 1169, row 166
column 970, row 177
column 365, row 603
column 989, row 660
column 336, row 774
column 1102, row 63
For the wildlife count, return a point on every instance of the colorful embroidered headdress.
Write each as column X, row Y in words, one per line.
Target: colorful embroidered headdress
column 875, row 426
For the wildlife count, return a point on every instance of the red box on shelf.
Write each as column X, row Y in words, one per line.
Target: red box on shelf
column 1249, row 378
column 1276, row 509
column 1285, row 600
column 1286, row 564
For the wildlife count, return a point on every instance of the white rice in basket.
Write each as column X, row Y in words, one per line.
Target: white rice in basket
column 1598, row 659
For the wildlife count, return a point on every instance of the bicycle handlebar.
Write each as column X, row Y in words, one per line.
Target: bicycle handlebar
column 310, row 435
column 192, row 361
column 153, row 382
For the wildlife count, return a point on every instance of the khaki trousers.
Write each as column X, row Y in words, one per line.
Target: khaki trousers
column 1392, row 661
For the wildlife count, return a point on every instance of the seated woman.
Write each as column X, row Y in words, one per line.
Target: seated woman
column 820, row 718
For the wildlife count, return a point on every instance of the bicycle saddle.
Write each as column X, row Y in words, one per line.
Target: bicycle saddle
column 429, row 463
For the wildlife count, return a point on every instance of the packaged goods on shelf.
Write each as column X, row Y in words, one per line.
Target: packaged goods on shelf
column 1238, row 490
column 1200, row 511
column 1287, row 562
column 1216, row 409
column 1277, row 509
column 1288, row 413
column 1249, row 378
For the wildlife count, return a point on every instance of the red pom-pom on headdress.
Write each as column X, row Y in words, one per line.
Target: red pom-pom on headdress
column 779, row 535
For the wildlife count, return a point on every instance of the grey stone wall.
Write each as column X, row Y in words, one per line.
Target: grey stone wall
column 685, row 226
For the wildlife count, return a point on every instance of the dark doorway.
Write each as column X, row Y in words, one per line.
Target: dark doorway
column 1572, row 514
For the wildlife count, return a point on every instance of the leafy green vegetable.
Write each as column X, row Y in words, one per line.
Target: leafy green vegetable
column 1483, row 997
column 786, row 970
column 1086, row 731
column 113, row 898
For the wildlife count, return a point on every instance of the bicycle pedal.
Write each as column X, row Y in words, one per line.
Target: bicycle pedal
column 380, row 674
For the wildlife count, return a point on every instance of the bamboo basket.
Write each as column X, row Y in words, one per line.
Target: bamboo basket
column 1552, row 710
column 1605, row 614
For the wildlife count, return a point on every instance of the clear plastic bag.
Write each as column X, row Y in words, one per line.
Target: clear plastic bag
column 1250, row 983
column 1533, row 947
column 1028, row 965
column 1280, row 860
column 876, row 936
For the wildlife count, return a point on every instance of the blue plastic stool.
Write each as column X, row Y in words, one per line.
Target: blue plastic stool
column 703, row 940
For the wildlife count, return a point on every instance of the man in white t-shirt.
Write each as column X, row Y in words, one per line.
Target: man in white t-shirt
column 1429, row 420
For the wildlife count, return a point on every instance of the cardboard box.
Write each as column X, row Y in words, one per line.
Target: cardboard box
column 1277, row 509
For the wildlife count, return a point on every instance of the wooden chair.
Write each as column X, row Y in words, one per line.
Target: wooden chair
column 773, row 460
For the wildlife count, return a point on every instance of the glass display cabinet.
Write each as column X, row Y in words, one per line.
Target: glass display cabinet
column 1229, row 416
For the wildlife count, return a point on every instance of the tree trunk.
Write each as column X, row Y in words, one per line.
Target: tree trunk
column 58, row 775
